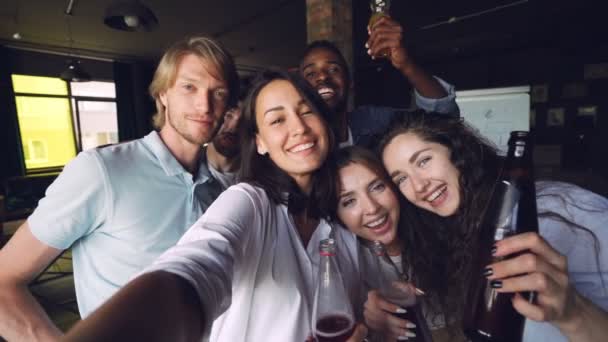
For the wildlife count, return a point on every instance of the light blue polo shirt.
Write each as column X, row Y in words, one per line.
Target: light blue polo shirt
column 120, row 207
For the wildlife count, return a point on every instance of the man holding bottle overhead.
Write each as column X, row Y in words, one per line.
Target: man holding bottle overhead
column 325, row 68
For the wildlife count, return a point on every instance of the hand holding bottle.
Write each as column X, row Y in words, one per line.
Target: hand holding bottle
column 489, row 315
column 540, row 268
column 386, row 40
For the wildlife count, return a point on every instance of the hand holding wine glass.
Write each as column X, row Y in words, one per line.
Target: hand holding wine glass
column 393, row 320
column 396, row 297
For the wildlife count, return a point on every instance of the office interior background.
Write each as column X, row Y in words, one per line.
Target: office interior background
column 558, row 48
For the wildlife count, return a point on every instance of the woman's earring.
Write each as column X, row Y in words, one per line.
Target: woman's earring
column 262, row 151
column 260, row 146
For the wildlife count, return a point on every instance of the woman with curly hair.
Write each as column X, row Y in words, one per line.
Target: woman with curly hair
column 446, row 172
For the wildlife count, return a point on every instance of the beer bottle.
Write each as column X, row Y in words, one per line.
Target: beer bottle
column 333, row 319
column 511, row 210
column 387, row 275
column 379, row 9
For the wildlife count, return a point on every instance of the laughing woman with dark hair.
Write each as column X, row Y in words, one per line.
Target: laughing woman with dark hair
column 446, row 172
column 247, row 265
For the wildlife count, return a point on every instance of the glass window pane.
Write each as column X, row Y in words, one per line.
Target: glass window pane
column 93, row 89
column 39, row 85
column 98, row 123
column 46, row 131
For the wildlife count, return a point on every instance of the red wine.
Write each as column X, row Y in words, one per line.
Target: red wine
column 334, row 328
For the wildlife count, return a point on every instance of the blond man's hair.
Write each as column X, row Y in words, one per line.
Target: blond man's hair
column 221, row 64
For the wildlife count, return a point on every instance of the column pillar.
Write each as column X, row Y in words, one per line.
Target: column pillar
column 331, row 20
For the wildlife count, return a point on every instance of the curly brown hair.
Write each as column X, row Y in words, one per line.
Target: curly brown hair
column 447, row 245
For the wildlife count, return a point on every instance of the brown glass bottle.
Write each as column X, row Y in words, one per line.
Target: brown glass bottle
column 511, row 210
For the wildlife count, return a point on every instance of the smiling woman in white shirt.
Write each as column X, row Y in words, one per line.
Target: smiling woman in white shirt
column 245, row 271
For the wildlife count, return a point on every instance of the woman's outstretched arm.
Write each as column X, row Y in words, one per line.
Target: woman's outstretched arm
column 157, row 306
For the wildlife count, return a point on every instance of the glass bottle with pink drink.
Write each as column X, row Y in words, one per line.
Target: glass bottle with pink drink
column 333, row 318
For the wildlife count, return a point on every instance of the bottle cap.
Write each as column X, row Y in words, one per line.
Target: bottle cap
column 519, row 137
column 519, row 140
column 327, row 247
column 380, row 6
column 520, row 134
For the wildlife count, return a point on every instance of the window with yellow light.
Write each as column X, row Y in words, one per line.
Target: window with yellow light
column 49, row 135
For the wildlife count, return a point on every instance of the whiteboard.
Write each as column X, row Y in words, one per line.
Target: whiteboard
column 495, row 112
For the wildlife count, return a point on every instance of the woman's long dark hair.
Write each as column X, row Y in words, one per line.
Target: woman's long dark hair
column 261, row 171
column 441, row 250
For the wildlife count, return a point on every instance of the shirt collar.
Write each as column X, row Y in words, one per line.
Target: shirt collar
column 349, row 141
column 168, row 162
column 203, row 170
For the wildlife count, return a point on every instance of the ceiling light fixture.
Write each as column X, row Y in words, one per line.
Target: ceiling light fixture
column 17, row 34
column 73, row 72
column 130, row 16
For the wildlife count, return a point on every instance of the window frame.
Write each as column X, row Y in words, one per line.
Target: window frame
column 76, row 114
column 74, row 120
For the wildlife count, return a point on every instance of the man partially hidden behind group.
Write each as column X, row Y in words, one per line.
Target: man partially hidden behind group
column 223, row 151
column 121, row 206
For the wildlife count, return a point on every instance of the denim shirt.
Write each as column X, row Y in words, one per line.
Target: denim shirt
column 368, row 124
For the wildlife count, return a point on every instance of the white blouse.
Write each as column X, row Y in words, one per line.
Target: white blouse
column 251, row 270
